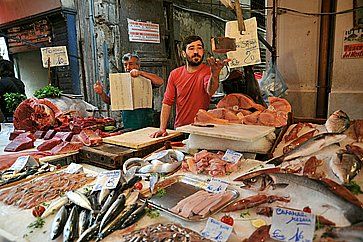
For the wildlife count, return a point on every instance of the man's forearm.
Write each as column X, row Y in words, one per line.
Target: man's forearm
column 213, row 85
column 155, row 79
column 164, row 117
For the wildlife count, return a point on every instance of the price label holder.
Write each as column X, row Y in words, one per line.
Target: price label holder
column 74, row 168
column 216, row 230
column 22, row 161
column 216, row 185
column 292, row 225
column 107, row 179
column 232, row 156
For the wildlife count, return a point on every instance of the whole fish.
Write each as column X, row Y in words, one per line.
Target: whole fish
column 109, row 201
column 338, row 122
column 83, row 221
column 94, row 203
column 345, row 166
column 323, row 196
column 58, row 223
column 114, row 209
column 352, row 233
column 70, row 231
column 89, row 233
column 135, row 216
column 79, row 199
column 54, row 206
column 309, row 147
column 103, row 195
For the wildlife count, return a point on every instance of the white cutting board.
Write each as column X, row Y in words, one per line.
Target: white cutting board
column 239, row 132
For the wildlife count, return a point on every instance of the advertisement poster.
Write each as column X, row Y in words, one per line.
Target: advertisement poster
column 353, row 44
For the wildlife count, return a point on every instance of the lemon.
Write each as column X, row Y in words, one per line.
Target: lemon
column 258, row 222
column 109, row 128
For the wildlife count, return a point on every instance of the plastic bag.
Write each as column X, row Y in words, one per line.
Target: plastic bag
column 272, row 84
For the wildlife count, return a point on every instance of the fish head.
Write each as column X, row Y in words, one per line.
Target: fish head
column 259, row 183
column 338, row 122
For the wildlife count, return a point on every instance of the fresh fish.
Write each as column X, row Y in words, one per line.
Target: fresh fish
column 58, row 223
column 80, row 199
column 338, row 122
column 54, row 206
column 70, row 231
column 94, row 203
column 109, row 201
column 132, row 198
column 309, row 147
column 345, row 166
column 352, row 233
column 103, row 195
column 135, row 216
column 345, row 209
column 89, row 233
column 83, row 221
column 114, row 209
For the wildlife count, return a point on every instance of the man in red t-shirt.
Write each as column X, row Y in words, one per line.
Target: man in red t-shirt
column 190, row 86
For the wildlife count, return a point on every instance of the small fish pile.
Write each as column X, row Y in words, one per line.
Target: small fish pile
column 43, row 189
column 201, row 203
column 209, row 163
column 163, row 232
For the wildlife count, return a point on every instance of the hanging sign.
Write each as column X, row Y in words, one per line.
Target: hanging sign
column 56, row 55
column 247, row 47
column 144, row 32
column 353, row 44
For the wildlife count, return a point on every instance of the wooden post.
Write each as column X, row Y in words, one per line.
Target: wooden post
column 49, row 77
column 239, row 13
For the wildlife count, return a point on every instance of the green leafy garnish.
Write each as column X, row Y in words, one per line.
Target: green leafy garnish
column 152, row 213
column 354, row 188
column 37, row 224
column 161, row 192
column 47, row 91
column 13, row 100
column 244, row 214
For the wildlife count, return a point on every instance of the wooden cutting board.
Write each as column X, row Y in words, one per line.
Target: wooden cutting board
column 238, row 132
column 140, row 138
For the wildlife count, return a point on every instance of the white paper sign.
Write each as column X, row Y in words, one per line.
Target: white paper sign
column 232, row 156
column 20, row 163
column 57, row 55
column 73, row 168
column 247, row 47
column 217, row 231
column 292, row 225
column 107, row 179
column 144, row 32
column 216, row 185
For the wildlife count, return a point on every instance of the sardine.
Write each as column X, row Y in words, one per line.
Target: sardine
column 70, row 231
column 345, row 166
column 83, row 222
column 338, row 122
column 58, row 223
column 54, row 206
column 89, row 233
column 80, row 199
column 114, row 209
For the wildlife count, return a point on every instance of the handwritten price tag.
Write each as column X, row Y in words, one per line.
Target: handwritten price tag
column 292, row 225
column 232, row 156
column 73, row 168
column 57, row 56
column 107, row 179
column 217, row 231
column 21, row 162
column 216, row 185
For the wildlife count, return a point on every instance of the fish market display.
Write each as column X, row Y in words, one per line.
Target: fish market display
column 43, row 189
column 8, row 160
column 201, row 204
column 163, row 232
column 338, row 122
column 209, row 163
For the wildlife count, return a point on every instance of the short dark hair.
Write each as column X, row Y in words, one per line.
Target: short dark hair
column 128, row 56
column 6, row 68
column 191, row 39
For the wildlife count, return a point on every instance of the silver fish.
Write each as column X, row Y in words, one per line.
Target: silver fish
column 89, row 233
column 58, row 223
column 54, row 206
column 70, row 231
column 114, row 209
column 135, row 216
column 83, row 221
column 80, row 199
column 351, row 233
column 345, row 166
column 338, row 122
column 102, row 195
column 109, row 201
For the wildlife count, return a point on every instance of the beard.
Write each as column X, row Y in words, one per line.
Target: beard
column 194, row 61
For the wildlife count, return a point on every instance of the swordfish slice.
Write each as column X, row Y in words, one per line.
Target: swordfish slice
column 176, row 209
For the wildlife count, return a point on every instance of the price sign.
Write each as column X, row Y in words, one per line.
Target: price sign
column 20, row 163
column 232, row 156
column 216, row 185
column 217, row 231
column 107, row 179
column 292, row 225
column 56, row 55
column 73, row 168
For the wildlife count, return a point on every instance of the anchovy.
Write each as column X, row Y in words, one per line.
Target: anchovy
column 58, row 223
column 54, row 206
column 79, row 199
column 83, row 221
column 70, row 231
column 114, row 209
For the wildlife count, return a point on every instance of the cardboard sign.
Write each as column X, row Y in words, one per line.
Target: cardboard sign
column 107, row 179
column 216, row 185
column 144, row 32
column 232, row 156
column 128, row 93
column 247, row 47
column 217, row 231
column 57, row 55
column 292, row 225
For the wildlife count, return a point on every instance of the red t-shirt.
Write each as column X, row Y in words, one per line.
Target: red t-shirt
column 190, row 91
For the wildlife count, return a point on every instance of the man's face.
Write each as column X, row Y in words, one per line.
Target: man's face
column 131, row 64
column 194, row 53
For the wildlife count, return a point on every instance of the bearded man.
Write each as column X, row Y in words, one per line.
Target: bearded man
column 190, row 86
